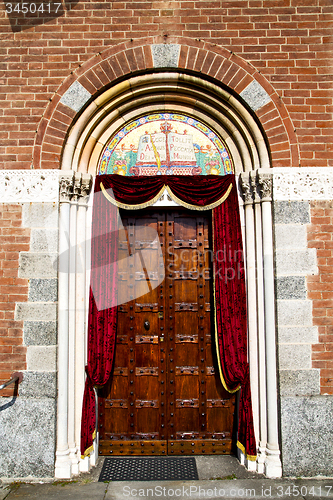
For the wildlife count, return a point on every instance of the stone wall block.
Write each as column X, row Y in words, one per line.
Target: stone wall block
column 298, row 334
column 291, row 212
column 40, row 332
column 37, row 265
column 293, row 262
column 294, row 312
column 27, row 426
column 42, row 358
column 307, row 435
column 291, row 287
column 40, row 215
column 165, row 56
column 76, row 96
column 294, row 356
column 299, row 382
column 39, row 385
column 35, row 311
column 290, row 236
column 44, row 240
column 255, row 95
column 43, row 290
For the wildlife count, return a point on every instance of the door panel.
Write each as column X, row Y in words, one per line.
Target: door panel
column 164, row 395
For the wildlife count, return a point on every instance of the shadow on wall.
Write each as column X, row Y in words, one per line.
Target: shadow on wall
column 12, row 401
column 23, row 15
column 19, row 378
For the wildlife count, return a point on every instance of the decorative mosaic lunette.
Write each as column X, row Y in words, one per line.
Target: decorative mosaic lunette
column 165, row 144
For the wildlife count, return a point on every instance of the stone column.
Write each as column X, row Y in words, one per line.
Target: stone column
column 251, row 298
column 72, row 323
column 260, row 326
column 63, row 462
column 273, row 466
column 81, row 306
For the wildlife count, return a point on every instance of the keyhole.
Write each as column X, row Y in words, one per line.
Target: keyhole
column 146, row 325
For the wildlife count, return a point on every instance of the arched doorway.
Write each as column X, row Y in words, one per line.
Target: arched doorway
column 222, row 111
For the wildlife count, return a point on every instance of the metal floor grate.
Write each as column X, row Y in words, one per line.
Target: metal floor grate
column 149, row 469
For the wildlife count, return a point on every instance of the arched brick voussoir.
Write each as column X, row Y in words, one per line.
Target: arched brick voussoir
column 182, row 53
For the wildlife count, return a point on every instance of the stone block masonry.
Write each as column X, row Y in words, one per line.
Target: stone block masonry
column 299, row 380
column 28, row 281
column 296, row 332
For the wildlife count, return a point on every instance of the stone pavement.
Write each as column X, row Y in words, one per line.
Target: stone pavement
column 220, row 477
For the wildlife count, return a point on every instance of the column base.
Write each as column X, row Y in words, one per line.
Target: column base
column 74, row 461
column 261, row 458
column 63, row 465
column 273, row 466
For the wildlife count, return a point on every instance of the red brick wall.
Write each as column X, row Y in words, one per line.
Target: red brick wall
column 289, row 41
column 13, row 239
column 320, row 290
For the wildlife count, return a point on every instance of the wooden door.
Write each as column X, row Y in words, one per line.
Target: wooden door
column 165, row 396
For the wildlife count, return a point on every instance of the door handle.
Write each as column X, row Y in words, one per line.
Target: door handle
column 146, row 324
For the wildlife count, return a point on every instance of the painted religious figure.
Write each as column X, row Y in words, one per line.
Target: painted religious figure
column 165, row 144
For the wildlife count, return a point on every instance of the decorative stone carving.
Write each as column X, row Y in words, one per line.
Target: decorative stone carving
column 265, row 181
column 74, row 186
column 290, row 184
column 86, row 185
column 254, row 186
column 307, row 183
column 23, row 186
column 246, row 188
column 77, row 184
column 66, row 187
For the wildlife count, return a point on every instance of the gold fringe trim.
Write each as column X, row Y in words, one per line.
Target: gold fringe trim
column 131, row 207
column 156, row 198
column 195, row 207
column 253, row 458
column 91, row 448
column 215, row 323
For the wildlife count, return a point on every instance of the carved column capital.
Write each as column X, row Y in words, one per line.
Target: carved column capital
column 245, row 183
column 86, row 185
column 265, row 181
column 77, row 182
column 74, row 187
column 66, row 182
column 255, row 186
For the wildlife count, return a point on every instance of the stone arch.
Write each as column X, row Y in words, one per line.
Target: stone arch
column 195, row 74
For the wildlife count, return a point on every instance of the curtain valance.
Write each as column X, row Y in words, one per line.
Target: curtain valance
column 210, row 192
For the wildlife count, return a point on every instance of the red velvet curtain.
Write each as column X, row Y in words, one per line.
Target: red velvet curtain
column 230, row 315
column 102, row 317
column 230, row 297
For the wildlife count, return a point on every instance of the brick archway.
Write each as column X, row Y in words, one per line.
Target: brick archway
column 179, row 54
